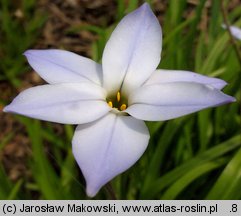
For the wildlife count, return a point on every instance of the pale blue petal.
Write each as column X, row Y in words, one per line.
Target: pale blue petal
column 169, row 76
column 60, row 66
column 72, row 103
column 171, row 100
column 235, row 31
column 133, row 51
column 108, row 147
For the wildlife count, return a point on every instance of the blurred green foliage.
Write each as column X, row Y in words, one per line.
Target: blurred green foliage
column 194, row 157
column 16, row 35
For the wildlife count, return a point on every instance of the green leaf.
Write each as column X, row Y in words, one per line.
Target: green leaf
column 229, row 183
column 167, row 179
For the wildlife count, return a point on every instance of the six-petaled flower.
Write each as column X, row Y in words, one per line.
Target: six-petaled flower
column 110, row 101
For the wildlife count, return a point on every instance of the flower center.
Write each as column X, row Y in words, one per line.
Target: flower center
column 117, row 102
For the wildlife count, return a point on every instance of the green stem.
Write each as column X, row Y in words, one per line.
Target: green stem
column 110, row 191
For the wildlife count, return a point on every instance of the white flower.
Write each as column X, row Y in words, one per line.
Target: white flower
column 110, row 102
column 235, row 31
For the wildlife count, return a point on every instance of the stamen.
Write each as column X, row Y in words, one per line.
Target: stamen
column 110, row 104
column 123, row 107
column 118, row 96
column 116, row 102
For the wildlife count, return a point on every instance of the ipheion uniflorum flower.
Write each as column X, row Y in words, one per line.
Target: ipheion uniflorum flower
column 110, row 101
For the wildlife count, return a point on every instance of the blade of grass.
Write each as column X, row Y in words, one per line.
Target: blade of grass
column 158, row 185
column 42, row 170
column 175, row 189
column 15, row 190
column 228, row 184
column 157, row 158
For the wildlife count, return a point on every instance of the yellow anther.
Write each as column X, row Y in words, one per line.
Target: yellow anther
column 118, row 96
column 123, row 107
column 110, row 104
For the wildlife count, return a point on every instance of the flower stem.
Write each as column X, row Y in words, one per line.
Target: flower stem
column 225, row 19
column 110, row 191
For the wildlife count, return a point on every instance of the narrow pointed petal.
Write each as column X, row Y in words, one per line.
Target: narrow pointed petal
column 60, row 66
column 108, row 147
column 168, row 76
column 133, row 51
column 171, row 100
column 235, row 31
column 71, row 103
